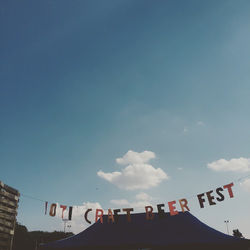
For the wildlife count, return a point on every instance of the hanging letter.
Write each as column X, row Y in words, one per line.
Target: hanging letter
column 46, row 207
column 110, row 216
column 172, row 208
column 70, row 213
column 183, row 204
column 116, row 215
column 210, row 198
column 99, row 214
column 229, row 188
column 63, row 209
column 86, row 215
column 128, row 210
column 52, row 211
column 161, row 211
column 149, row 213
column 201, row 200
column 218, row 191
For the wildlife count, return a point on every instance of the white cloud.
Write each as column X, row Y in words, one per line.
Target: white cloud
column 132, row 157
column 240, row 165
column 138, row 174
column 111, row 177
column 246, row 184
column 200, row 123
column 143, row 197
column 140, row 205
column 78, row 222
column 141, row 200
column 121, row 202
column 180, row 169
column 185, row 130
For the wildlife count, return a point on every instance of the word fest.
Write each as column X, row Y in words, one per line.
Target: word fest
column 211, row 198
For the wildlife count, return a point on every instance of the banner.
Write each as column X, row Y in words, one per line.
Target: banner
column 210, row 198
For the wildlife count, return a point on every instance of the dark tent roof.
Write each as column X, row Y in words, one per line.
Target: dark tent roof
column 172, row 232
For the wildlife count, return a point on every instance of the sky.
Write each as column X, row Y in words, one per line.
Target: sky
column 123, row 103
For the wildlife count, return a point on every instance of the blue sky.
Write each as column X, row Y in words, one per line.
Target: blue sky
column 84, row 82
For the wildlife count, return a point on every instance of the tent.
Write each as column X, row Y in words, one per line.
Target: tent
column 182, row 231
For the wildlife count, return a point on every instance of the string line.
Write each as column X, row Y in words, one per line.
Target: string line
column 189, row 197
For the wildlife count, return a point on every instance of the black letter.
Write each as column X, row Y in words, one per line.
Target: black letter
column 70, row 213
column 218, row 191
column 128, row 210
column 201, row 200
column 86, row 215
column 210, row 198
column 161, row 211
column 116, row 215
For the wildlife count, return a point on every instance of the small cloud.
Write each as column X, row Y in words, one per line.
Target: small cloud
column 143, row 197
column 246, row 184
column 180, row 169
column 78, row 223
column 185, row 130
column 140, row 205
column 141, row 200
column 200, row 123
column 240, row 165
column 132, row 157
column 138, row 174
column 121, row 202
column 111, row 177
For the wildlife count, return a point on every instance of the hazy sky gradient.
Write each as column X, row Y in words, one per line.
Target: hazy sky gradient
column 84, row 82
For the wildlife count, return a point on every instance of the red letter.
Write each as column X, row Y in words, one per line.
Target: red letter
column 128, row 210
column 97, row 215
column 229, row 188
column 172, row 208
column 149, row 213
column 183, row 204
column 110, row 216
column 52, row 211
column 63, row 209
